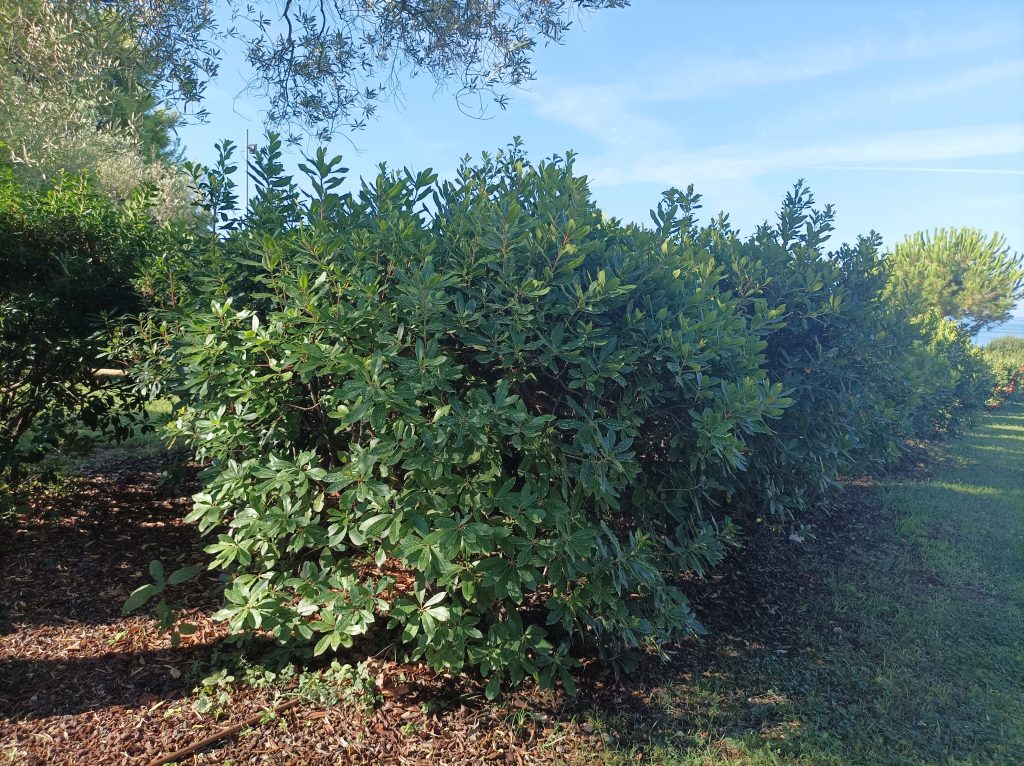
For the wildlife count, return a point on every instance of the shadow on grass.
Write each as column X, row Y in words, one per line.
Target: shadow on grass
column 892, row 637
column 895, row 637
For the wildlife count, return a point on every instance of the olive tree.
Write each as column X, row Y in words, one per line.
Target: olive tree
column 76, row 96
column 324, row 65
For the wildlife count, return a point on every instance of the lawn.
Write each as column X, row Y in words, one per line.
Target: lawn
column 911, row 645
column 892, row 634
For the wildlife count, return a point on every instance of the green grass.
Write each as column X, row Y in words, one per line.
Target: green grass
column 911, row 652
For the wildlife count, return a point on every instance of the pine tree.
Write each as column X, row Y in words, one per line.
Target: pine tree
column 961, row 273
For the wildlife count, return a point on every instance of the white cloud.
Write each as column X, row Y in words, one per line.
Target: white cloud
column 739, row 161
column 931, row 91
column 610, row 109
column 911, row 169
column 605, row 111
column 967, row 79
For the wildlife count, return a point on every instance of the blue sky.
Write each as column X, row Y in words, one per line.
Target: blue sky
column 905, row 115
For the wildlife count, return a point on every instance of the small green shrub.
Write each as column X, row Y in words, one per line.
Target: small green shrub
column 953, row 374
column 69, row 255
column 1010, row 345
column 336, row 684
column 1005, row 358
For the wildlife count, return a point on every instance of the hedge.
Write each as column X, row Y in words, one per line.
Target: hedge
column 484, row 421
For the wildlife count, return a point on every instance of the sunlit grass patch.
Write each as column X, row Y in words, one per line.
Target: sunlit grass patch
column 915, row 655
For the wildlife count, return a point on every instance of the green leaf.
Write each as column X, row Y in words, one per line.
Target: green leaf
column 322, row 645
column 139, row 597
column 179, row 576
column 437, row 598
column 493, row 688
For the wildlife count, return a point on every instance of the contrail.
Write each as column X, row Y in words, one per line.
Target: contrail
column 982, row 171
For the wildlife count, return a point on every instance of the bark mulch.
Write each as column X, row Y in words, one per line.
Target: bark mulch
column 80, row 683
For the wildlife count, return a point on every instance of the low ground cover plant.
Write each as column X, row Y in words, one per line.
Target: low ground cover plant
column 494, row 427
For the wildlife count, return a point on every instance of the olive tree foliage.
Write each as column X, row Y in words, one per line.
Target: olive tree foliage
column 962, row 274
column 76, row 97
column 324, row 65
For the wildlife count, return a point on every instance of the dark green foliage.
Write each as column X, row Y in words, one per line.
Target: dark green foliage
column 529, row 408
column 496, row 427
column 861, row 376
column 68, row 257
column 826, row 347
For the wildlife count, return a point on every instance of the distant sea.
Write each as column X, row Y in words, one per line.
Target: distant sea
column 1014, row 327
